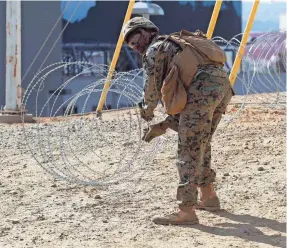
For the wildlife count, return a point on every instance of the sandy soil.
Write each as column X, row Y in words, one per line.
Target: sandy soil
column 249, row 156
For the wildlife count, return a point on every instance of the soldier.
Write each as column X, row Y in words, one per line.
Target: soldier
column 195, row 92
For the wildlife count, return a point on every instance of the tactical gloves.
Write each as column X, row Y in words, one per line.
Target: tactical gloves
column 154, row 131
column 143, row 112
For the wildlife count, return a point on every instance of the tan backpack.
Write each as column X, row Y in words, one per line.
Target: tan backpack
column 197, row 50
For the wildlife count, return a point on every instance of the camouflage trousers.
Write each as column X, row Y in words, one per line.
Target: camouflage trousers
column 208, row 97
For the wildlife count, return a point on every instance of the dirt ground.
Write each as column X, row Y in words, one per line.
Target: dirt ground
column 249, row 156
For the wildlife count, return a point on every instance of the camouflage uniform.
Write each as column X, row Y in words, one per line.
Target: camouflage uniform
column 208, row 97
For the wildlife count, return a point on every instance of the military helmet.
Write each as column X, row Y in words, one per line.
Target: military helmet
column 137, row 22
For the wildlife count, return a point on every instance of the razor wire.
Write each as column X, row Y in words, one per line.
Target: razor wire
column 263, row 68
column 89, row 150
column 86, row 131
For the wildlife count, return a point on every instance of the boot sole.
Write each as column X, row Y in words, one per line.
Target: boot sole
column 211, row 209
column 176, row 222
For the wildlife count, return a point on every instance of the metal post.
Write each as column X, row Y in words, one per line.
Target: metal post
column 213, row 19
column 114, row 60
column 240, row 53
column 13, row 112
column 13, row 56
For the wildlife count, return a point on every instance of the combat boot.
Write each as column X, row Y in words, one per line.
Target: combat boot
column 208, row 200
column 188, row 217
column 154, row 131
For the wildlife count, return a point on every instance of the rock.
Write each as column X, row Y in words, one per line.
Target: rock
column 15, row 222
column 260, row 168
column 226, row 174
column 98, row 197
column 172, row 157
column 105, row 221
column 41, row 217
column 62, row 235
column 253, row 161
column 156, row 207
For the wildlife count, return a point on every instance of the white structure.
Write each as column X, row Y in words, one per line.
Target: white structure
column 146, row 9
column 283, row 22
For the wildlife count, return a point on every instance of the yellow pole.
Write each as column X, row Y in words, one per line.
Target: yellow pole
column 114, row 60
column 240, row 53
column 213, row 19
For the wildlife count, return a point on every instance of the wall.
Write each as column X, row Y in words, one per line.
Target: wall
column 103, row 21
column 38, row 19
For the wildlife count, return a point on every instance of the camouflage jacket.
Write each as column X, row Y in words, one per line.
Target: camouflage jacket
column 156, row 72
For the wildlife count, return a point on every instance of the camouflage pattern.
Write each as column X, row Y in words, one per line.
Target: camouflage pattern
column 208, row 96
column 137, row 22
column 156, row 72
column 172, row 121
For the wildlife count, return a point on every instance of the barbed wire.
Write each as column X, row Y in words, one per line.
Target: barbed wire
column 92, row 132
column 263, row 68
column 88, row 150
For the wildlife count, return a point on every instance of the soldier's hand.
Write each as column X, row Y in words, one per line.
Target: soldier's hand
column 143, row 112
column 154, row 131
column 145, row 116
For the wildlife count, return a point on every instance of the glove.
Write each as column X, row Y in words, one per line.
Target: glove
column 144, row 115
column 154, row 131
column 143, row 112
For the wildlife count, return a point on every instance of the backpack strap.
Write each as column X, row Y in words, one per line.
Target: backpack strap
column 157, row 58
column 179, row 35
column 174, row 37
